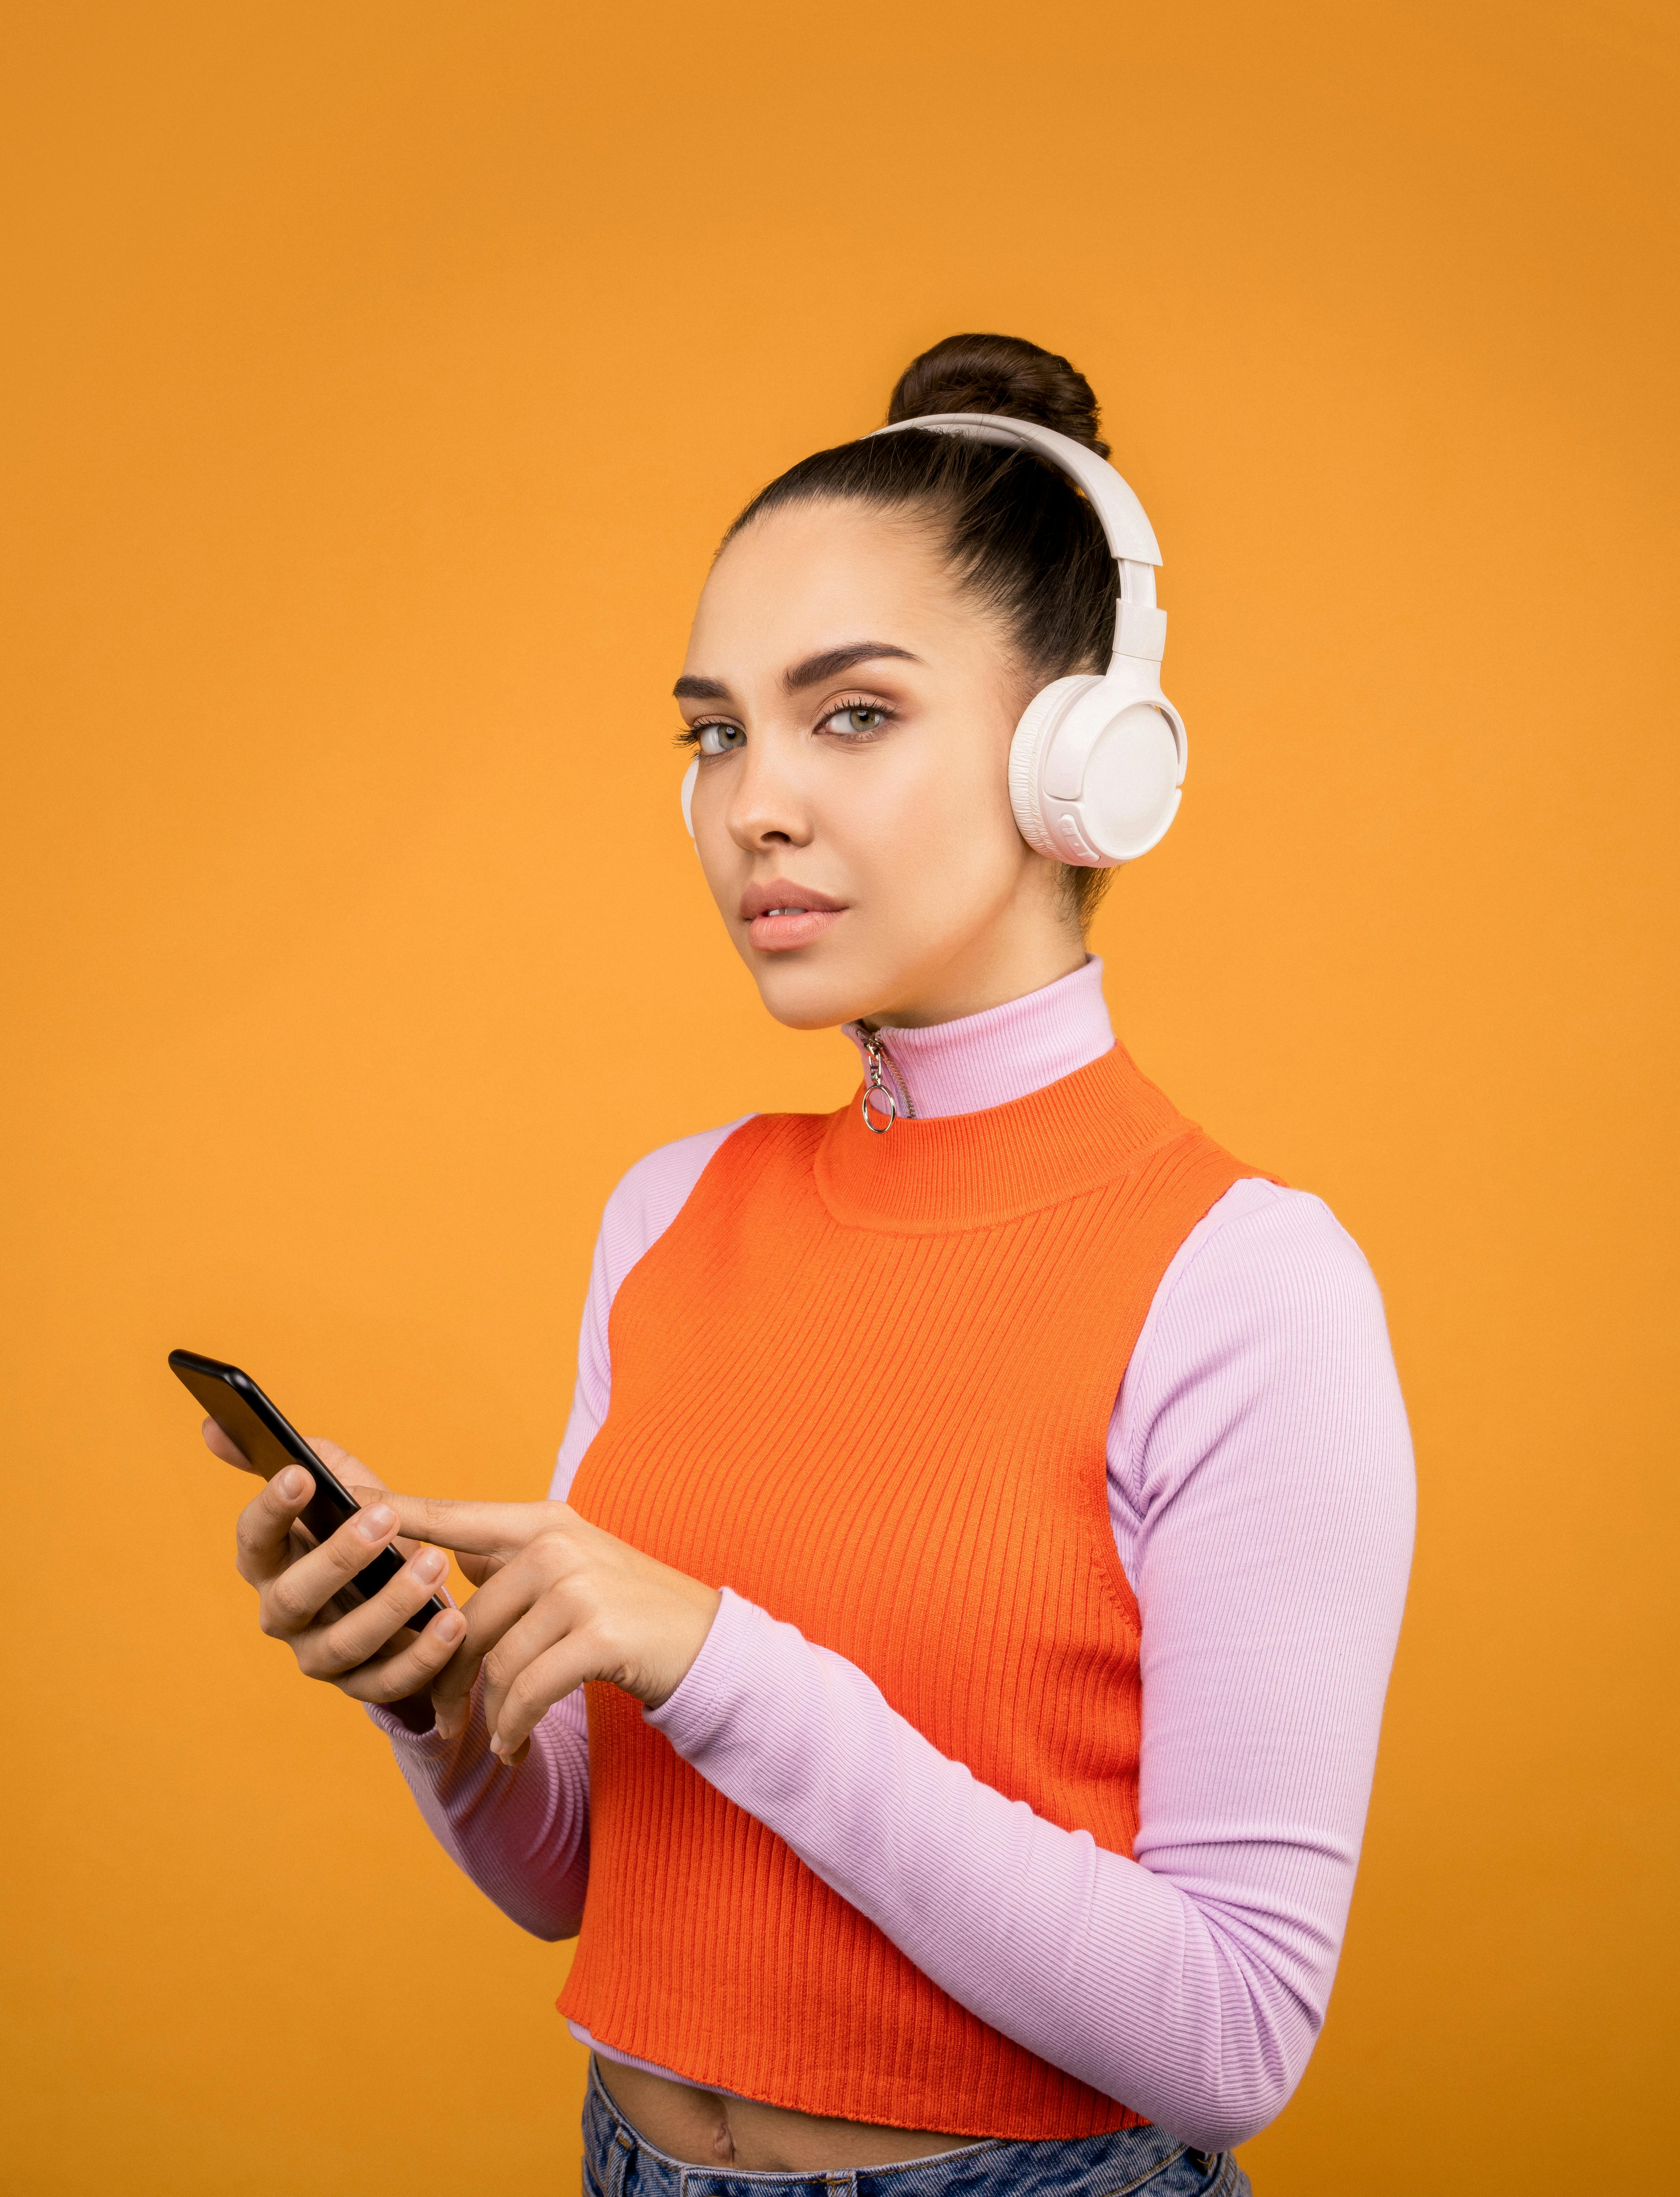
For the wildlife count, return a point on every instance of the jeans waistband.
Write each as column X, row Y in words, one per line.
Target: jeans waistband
column 619, row 2163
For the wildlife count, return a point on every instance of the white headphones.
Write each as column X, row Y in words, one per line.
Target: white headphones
column 1096, row 764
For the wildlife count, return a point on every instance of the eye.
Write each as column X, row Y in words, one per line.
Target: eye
column 857, row 720
column 718, row 739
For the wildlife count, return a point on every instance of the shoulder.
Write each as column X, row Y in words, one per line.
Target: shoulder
column 649, row 1196
column 1265, row 1250
column 1269, row 1311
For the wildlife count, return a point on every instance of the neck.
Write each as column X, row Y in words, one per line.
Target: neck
column 1002, row 1053
column 1027, row 957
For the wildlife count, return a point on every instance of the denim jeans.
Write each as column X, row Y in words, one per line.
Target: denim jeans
column 616, row 2162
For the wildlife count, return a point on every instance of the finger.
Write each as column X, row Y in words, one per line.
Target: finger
column 547, row 1622
column 399, row 1671
column 327, row 1651
column 262, row 1533
column 220, row 1443
column 292, row 1601
column 501, row 1602
column 367, row 1496
column 481, row 1529
column 361, row 1479
column 543, row 1683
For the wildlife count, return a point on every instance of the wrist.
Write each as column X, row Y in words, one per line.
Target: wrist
column 704, row 1603
column 690, row 1713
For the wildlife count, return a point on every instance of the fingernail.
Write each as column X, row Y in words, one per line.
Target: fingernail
column 451, row 1625
column 290, row 1484
column 430, row 1565
column 496, row 1747
column 374, row 1525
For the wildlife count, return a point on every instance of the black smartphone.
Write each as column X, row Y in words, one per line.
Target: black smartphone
column 268, row 1441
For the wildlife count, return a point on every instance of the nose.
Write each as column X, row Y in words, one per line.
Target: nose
column 768, row 805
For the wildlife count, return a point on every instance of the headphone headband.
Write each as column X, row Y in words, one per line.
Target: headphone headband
column 1140, row 629
column 1131, row 536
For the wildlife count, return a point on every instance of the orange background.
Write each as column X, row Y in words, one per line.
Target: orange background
column 379, row 378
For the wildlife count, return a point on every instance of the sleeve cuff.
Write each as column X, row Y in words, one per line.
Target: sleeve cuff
column 424, row 1746
column 697, row 1713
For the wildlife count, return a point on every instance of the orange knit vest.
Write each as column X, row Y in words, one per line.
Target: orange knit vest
column 866, row 1381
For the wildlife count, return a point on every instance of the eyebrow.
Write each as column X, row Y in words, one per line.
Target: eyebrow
column 813, row 672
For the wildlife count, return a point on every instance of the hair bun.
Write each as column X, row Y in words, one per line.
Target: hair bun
column 999, row 373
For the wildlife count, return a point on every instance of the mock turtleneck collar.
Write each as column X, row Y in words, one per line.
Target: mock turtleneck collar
column 1100, row 1128
column 1001, row 1054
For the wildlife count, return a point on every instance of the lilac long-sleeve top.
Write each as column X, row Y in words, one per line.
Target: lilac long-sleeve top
column 1260, row 1486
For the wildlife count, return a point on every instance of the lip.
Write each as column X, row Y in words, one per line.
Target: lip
column 801, row 914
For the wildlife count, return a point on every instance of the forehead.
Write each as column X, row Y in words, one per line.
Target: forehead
column 812, row 575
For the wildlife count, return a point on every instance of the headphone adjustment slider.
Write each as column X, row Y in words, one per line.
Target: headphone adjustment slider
column 1140, row 629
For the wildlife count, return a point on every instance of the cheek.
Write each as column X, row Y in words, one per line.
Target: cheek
column 942, row 821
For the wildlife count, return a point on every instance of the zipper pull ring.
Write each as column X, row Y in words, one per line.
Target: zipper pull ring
column 878, row 1097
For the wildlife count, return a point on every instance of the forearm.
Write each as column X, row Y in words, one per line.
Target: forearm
column 1195, row 2007
column 521, row 1835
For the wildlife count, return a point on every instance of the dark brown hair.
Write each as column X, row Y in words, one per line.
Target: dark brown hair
column 1017, row 534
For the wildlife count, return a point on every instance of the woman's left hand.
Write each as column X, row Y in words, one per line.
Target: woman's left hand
column 561, row 1601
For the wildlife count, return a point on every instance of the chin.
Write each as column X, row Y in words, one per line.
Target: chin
column 808, row 998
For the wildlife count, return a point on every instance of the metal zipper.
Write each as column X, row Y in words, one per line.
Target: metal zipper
column 879, row 1097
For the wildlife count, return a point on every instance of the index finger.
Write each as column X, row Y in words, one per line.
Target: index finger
column 478, row 1529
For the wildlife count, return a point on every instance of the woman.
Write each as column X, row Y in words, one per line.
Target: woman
column 983, row 1522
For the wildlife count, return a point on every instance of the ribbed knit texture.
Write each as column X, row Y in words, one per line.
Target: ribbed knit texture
column 868, row 1384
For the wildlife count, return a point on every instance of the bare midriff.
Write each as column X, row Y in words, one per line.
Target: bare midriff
column 702, row 2128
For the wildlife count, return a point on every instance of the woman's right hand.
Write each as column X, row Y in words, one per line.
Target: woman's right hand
column 360, row 1648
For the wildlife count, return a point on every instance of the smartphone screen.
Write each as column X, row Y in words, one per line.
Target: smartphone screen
column 269, row 1443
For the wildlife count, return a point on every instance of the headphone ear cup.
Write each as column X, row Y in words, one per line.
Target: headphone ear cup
column 1130, row 794
column 1026, row 753
column 688, row 779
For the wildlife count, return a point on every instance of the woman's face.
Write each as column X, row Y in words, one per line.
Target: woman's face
column 854, row 710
